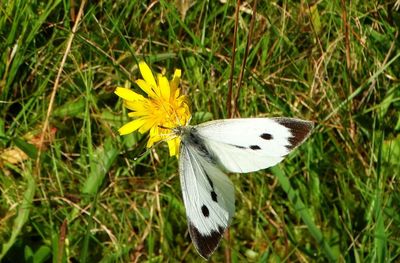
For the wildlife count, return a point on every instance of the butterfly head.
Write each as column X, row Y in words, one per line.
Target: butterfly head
column 181, row 131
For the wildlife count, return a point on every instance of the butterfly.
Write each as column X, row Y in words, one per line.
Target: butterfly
column 210, row 150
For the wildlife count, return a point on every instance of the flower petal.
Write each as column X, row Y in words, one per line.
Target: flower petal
column 128, row 94
column 136, row 105
column 145, row 86
column 154, row 136
column 173, row 146
column 150, row 142
column 164, row 87
column 131, row 126
column 147, row 74
column 175, row 81
column 177, row 93
column 150, row 122
column 136, row 114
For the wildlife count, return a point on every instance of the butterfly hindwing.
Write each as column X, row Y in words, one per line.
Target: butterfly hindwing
column 208, row 196
column 246, row 145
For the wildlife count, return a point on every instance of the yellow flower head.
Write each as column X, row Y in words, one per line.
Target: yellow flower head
column 164, row 108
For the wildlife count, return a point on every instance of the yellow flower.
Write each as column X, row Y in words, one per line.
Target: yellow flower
column 163, row 109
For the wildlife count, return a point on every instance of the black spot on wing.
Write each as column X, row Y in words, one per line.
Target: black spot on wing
column 214, row 196
column 205, row 244
column 266, row 136
column 205, row 211
column 298, row 128
column 255, row 147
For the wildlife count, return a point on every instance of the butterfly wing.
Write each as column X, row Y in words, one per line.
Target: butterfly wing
column 238, row 145
column 208, row 196
column 246, row 145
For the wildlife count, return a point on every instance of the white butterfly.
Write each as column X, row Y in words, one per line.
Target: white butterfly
column 209, row 150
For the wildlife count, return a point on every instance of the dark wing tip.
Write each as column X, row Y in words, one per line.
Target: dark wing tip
column 299, row 129
column 205, row 244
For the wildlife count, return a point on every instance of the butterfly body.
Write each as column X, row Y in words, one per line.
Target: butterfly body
column 190, row 136
column 210, row 150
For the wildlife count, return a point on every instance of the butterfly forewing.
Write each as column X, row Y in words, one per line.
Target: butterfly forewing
column 208, row 196
column 246, row 145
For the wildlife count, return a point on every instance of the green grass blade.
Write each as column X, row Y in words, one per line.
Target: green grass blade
column 24, row 209
column 103, row 158
column 303, row 212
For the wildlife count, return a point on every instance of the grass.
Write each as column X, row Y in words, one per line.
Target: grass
column 92, row 195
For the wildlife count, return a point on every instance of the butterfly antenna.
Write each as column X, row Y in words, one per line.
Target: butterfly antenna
column 163, row 127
